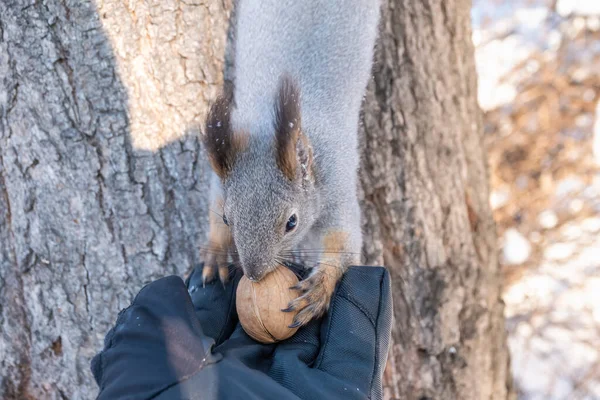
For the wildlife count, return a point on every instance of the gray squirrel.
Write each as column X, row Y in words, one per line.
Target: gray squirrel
column 283, row 144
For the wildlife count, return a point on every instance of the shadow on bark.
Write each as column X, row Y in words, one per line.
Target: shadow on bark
column 86, row 217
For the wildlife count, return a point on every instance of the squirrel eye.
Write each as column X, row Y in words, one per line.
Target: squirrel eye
column 225, row 220
column 291, row 224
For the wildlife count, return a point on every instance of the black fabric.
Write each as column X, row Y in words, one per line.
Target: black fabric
column 183, row 341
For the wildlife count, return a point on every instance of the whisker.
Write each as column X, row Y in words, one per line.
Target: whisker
column 231, row 272
column 329, row 265
column 319, row 251
column 281, row 260
column 323, row 263
column 311, row 259
column 308, row 248
column 283, row 257
column 309, row 256
column 218, row 247
column 316, row 253
column 213, row 250
column 316, row 261
column 213, row 210
column 211, row 246
column 296, row 271
column 291, row 264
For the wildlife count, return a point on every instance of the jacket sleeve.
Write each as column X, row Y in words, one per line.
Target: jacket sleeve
column 341, row 357
column 155, row 343
column 168, row 345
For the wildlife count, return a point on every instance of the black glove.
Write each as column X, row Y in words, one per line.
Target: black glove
column 173, row 345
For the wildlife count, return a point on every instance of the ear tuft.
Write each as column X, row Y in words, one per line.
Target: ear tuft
column 293, row 151
column 220, row 142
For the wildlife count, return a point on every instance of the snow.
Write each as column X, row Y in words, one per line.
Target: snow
column 499, row 198
column 548, row 219
column 553, row 308
column 516, row 247
column 578, row 7
column 505, row 33
column 596, row 143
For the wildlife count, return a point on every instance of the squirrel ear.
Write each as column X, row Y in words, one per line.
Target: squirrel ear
column 293, row 150
column 221, row 143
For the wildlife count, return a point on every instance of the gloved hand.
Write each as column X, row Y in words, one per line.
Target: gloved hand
column 183, row 341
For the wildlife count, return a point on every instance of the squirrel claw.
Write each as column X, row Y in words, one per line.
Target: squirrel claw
column 296, row 324
column 224, row 274
column 295, row 287
column 313, row 302
column 307, row 314
column 209, row 274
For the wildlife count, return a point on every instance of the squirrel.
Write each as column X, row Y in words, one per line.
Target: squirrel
column 283, row 144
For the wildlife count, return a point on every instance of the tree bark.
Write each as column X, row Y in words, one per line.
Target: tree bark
column 425, row 206
column 103, row 185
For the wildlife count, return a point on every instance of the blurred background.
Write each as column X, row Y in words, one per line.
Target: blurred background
column 538, row 63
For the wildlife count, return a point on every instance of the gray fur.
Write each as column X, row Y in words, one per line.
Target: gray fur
column 326, row 46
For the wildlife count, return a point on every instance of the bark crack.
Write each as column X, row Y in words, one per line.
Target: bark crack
column 85, row 287
column 13, row 294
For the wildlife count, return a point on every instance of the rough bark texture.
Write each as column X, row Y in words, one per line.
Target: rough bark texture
column 102, row 185
column 425, row 203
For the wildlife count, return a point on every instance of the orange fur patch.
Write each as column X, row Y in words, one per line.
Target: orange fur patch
column 221, row 143
column 316, row 290
column 286, row 158
column 215, row 254
column 287, row 155
column 222, row 164
column 291, row 144
column 334, row 243
column 219, row 235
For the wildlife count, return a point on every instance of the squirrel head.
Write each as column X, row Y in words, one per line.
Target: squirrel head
column 269, row 195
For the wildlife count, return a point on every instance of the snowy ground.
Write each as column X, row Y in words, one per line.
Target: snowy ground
column 553, row 307
column 553, row 316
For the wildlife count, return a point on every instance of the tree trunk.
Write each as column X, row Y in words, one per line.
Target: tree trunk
column 425, row 204
column 102, row 185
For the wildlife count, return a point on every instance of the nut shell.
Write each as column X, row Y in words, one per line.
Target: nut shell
column 259, row 306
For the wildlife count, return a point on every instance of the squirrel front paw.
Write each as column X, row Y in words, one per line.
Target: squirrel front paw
column 215, row 262
column 316, row 291
column 215, row 253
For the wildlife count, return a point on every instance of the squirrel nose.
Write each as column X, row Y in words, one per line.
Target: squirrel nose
column 256, row 272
